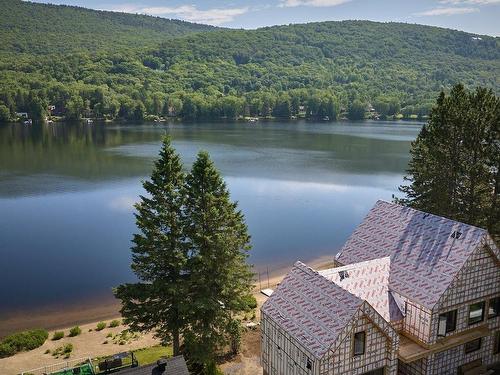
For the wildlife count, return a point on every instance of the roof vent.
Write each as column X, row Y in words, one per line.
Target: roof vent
column 343, row 275
column 456, row 234
column 162, row 364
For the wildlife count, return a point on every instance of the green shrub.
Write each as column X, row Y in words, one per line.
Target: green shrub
column 47, row 351
column 114, row 323
column 68, row 348
column 100, row 326
column 6, row 350
column 57, row 335
column 75, row 331
column 26, row 340
column 109, row 335
column 249, row 302
column 64, row 351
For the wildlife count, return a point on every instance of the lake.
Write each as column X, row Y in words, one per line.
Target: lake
column 67, row 190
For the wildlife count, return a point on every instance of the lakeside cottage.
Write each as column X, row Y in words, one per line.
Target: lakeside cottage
column 411, row 293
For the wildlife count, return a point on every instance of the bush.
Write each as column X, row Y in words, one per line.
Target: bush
column 75, row 331
column 114, row 323
column 58, row 335
column 68, row 348
column 6, row 350
column 100, row 326
column 64, row 351
column 26, row 340
column 250, row 303
column 109, row 335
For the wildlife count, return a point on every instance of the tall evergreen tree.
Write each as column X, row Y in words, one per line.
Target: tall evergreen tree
column 159, row 257
column 220, row 277
column 454, row 170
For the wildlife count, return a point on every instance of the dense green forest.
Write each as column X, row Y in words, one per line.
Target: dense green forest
column 88, row 63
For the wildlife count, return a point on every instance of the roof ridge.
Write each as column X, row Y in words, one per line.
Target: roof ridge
column 392, row 204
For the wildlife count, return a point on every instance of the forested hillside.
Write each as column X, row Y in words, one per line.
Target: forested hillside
column 108, row 65
column 34, row 28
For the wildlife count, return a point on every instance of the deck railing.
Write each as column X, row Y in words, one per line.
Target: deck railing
column 57, row 367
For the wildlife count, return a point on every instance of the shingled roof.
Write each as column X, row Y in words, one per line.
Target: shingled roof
column 426, row 250
column 311, row 308
column 173, row 366
column 369, row 281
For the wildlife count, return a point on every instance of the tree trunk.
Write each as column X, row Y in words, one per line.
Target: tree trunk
column 176, row 341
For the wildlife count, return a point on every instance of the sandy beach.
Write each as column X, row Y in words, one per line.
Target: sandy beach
column 90, row 344
column 106, row 307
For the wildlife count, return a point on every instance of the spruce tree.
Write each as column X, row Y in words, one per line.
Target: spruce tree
column 454, row 170
column 220, row 278
column 159, row 254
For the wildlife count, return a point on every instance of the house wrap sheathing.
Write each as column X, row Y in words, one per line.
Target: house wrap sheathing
column 422, row 291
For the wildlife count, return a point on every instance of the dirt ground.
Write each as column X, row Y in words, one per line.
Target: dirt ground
column 87, row 344
column 247, row 362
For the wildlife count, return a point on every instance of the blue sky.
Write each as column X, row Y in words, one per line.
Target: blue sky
column 476, row 16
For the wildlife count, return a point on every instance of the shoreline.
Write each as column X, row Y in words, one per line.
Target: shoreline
column 106, row 308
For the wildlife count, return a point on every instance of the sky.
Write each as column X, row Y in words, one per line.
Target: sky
column 475, row 16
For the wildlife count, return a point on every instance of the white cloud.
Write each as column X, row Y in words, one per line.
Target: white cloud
column 123, row 203
column 470, row 2
column 312, row 3
column 454, row 7
column 448, row 11
column 214, row 16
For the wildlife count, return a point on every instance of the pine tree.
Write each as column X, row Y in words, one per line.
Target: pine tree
column 454, row 170
column 157, row 301
column 220, row 277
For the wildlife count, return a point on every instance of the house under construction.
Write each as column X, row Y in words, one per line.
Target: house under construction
column 412, row 293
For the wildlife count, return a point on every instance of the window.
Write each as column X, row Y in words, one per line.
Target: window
column 456, row 234
column 472, row 346
column 447, row 322
column 343, row 275
column 379, row 371
column 493, row 307
column 496, row 343
column 359, row 343
column 476, row 313
column 309, row 364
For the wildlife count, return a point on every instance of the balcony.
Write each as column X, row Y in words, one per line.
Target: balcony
column 410, row 350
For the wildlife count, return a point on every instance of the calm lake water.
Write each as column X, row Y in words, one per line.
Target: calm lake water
column 66, row 194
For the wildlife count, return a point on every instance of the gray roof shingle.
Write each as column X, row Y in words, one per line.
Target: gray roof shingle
column 311, row 308
column 175, row 366
column 425, row 255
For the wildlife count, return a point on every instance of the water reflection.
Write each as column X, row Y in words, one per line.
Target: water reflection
column 67, row 191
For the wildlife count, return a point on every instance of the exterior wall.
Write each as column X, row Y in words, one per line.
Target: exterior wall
column 415, row 368
column 380, row 347
column 447, row 362
column 417, row 320
column 281, row 354
column 398, row 326
column 479, row 280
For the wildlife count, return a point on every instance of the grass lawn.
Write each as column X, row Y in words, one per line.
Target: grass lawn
column 149, row 355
